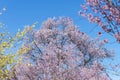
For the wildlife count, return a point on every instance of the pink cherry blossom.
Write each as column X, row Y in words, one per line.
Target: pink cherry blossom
column 105, row 13
column 63, row 52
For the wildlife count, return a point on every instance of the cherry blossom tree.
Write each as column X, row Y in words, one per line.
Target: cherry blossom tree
column 106, row 13
column 62, row 52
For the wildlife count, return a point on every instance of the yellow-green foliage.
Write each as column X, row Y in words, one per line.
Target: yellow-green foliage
column 10, row 54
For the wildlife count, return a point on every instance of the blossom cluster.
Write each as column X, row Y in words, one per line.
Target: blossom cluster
column 106, row 13
column 61, row 52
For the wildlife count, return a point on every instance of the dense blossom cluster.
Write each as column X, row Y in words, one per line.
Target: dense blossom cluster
column 106, row 13
column 61, row 52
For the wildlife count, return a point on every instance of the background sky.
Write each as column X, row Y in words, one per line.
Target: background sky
column 25, row 12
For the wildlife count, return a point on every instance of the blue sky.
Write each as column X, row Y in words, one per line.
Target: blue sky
column 25, row 12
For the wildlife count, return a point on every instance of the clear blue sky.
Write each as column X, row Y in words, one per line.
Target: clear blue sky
column 25, row 12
